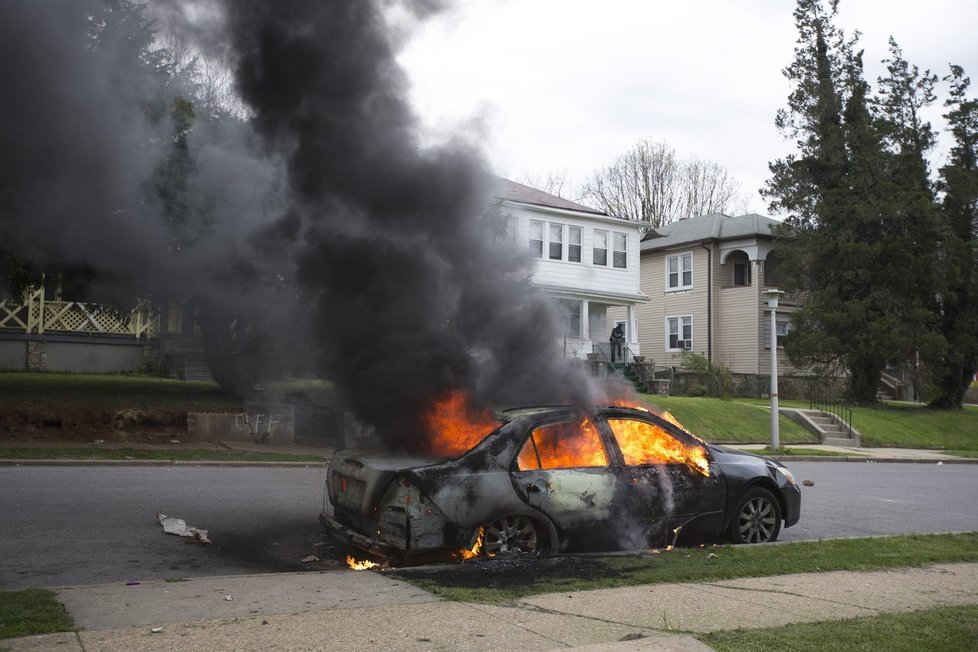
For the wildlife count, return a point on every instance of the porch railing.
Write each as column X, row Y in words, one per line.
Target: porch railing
column 34, row 314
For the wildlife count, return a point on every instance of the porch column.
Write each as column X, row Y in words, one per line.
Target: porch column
column 631, row 328
column 757, row 283
column 585, row 321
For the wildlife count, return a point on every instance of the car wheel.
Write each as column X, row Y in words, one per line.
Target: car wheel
column 510, row 534
column 758, row 518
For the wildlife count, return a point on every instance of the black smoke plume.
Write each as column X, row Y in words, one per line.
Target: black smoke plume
column 322, row 211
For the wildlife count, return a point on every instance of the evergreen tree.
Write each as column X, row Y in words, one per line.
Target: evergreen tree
column 846, row 240
column 958, row 302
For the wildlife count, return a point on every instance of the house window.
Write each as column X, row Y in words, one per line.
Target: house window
column 620, row 253
column 784, row 326
column 679, row 333
column 556, row 242
column 771, row 264
column 741, row 273
column 574, row 244
column 679, row 272
column 600, row 247
column 536, row 239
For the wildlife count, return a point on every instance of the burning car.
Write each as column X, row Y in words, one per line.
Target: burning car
column 560, row 479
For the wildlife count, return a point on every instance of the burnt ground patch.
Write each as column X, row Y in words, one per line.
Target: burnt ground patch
column 515, row 572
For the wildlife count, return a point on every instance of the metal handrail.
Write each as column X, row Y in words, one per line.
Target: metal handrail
column 596, row 349
column 837, row 408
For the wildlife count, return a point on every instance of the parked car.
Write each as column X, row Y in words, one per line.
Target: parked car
column 561, row 479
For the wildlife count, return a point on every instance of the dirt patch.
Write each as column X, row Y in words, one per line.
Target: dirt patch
column 511, row 572
column 86, row 424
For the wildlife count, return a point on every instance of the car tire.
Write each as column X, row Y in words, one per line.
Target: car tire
column 757, row 519
column 511, row 535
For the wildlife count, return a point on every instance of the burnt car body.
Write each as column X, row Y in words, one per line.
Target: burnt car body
column 515, row 492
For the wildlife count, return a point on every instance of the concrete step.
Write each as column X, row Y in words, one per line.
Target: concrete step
column 839, row 441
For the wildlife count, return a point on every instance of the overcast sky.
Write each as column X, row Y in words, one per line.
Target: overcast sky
column 565, row 86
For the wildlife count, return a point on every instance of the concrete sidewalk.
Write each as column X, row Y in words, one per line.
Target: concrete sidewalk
column 368, row 611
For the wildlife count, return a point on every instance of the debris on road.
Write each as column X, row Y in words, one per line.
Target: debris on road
column 308, row 560
column 179, row 527
column 156, row 630
column 808, row 483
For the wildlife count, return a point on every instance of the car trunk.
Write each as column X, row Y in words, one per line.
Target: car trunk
column 357, row 480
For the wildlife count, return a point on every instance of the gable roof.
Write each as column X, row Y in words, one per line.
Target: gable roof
column 715, row 226
column 511, row 191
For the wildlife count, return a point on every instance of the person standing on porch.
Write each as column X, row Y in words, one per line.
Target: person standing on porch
column 616, row 339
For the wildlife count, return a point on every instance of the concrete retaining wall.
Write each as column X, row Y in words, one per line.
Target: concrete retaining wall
column 276, row 425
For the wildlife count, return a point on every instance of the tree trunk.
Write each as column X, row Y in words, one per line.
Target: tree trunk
column 864, row 380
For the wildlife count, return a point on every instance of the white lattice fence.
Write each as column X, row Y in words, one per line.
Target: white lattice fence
column 35, row 315
column 13, row 315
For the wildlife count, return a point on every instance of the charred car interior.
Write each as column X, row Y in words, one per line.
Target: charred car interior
column 559, row 479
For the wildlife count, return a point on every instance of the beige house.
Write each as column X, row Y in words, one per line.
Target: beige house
column 705, row 277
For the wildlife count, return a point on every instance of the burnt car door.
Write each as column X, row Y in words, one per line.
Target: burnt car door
column 672, row 493
column 562, row 470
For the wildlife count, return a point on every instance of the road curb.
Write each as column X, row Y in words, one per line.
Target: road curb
column 873, row 460
column 242, row 463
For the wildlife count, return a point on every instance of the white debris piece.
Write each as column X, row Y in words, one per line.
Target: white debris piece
column 309, row 559
column 180, row 528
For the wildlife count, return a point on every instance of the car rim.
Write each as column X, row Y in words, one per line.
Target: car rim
column 510, row 534
column 758, row 520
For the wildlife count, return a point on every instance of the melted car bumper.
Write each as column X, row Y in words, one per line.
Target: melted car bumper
column 792, row 504
column 339, row 532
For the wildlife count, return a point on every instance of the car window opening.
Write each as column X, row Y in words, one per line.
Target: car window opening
column 646, row 443
column 564, row 445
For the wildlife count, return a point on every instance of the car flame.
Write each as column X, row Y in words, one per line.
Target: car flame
column 646, row 443
column 476, row 549
column 360, row 565
column 455, row 425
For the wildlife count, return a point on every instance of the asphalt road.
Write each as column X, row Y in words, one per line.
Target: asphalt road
column 62, row 526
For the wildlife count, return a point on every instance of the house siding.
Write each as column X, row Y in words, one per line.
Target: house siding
column 651, row 316
column 737, row 329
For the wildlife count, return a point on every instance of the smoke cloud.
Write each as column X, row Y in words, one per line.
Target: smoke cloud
column 322, row 211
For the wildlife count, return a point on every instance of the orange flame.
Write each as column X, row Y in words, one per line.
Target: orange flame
column 360, row 565
column 476, row 548
column 455, row 425
column 645, row 443
column 563, row 445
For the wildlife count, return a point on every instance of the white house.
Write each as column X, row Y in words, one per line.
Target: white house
column 586, row 259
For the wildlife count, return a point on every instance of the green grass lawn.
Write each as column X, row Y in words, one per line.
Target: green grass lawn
column 729, row 422
column 748, row 421
column 53, row 391
column 30, row 612
column 937, row 630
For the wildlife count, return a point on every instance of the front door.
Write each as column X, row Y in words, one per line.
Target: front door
column 562, row 470
column 672, row 493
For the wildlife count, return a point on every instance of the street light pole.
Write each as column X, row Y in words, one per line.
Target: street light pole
column 772, row 302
